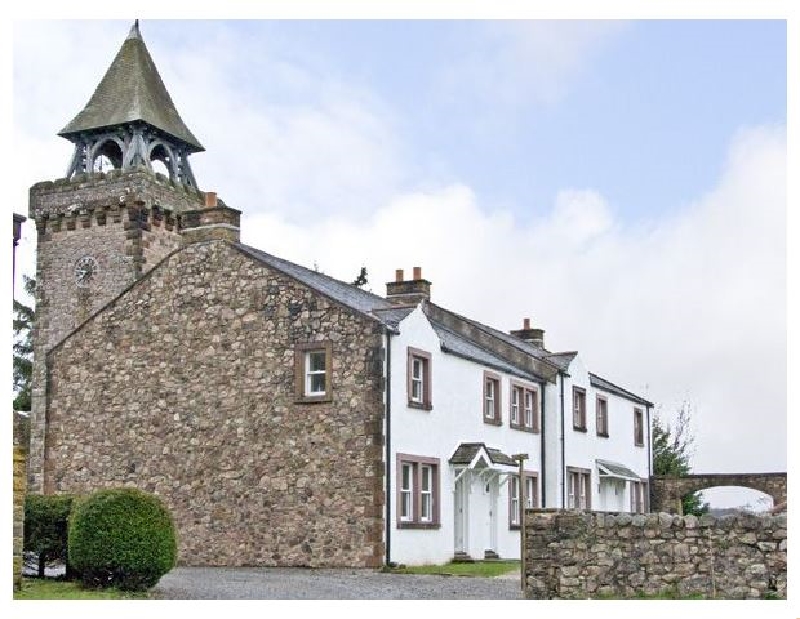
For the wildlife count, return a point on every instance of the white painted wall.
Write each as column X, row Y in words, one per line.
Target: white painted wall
column 456, row 417
column 582, row 449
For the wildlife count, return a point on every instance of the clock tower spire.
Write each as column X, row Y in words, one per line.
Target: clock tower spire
column 113, row 217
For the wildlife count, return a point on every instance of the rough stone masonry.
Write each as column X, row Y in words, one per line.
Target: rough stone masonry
column 579, row 555
column 184, row 387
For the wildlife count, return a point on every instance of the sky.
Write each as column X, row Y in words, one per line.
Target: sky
column 620, row 183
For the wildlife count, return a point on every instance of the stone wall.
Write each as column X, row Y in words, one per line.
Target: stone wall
column 20, row 432
column 579, row 555
column 184, row 387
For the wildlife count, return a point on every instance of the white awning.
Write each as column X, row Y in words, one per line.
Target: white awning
column 609, row 469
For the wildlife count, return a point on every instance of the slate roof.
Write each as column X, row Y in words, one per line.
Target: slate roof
column 561, row 359
column 513, row 340
column 465, row 452
column 132, row 90
column 606, row 385
column 617, row 470
column 460, row 346
column 351, row 296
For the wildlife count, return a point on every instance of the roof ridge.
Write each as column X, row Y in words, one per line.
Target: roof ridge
column 507, row 338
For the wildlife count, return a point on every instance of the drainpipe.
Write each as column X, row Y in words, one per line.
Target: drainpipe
column 561, row 374
column 649, row 458
column 542, row 441
column 388, row 449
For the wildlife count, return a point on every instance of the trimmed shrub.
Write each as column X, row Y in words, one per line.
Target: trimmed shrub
column 121, row 538
column 45, row 527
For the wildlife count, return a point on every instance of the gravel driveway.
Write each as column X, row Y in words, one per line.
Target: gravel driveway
column 246, row 583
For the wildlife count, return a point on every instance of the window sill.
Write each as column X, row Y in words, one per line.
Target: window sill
column 313, row 399
column 493, row 422
column 577, row 429
column 419, row 406
column 418, row 525
column 638, row 444
column 524, row 429
column 603, row 434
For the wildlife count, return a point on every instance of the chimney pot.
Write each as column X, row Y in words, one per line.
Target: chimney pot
column 211, row 198
column 526, row 324
column 417, row 273
column 398, row 275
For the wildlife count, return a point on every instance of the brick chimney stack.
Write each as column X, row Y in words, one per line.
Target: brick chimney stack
column 408, row 292
column 531, row 336
column 215, row 221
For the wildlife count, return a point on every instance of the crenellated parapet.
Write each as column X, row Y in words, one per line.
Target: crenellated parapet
column 87, row 193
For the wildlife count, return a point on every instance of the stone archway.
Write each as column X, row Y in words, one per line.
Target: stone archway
column 666, row 492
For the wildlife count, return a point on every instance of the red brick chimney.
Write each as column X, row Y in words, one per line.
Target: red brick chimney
column 532, row 336
column 408, row 292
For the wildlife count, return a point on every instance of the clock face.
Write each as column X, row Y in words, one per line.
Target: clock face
column 85, row 270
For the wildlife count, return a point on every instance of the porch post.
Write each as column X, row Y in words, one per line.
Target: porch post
column 521, row 459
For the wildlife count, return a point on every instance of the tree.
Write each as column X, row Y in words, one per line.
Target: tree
column 23, row 348
column 672, row 450
column 361, row 280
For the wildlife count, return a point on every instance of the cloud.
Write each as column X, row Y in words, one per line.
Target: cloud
column 526, row 60
column 689, row 304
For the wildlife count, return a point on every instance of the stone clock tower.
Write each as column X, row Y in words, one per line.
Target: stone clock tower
column 113, row 217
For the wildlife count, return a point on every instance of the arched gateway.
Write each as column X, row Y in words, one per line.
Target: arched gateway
column 666, row 492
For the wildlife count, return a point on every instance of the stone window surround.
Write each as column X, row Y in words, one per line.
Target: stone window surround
column 638, row 427
column 425, row 357
column 301, row 349
column 525, row 388
column 585, row 481
column 601, row 421
column 512, row 524
column 497, row 419
column 416, row 463
column 579, row 396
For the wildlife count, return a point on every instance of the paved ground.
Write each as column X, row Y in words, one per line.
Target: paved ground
column 244, row 583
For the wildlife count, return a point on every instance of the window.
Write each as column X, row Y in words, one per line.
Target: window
column 579, row 409
column 638, row 427
column 638, row 491
column 419, row 379
column 602, row 416
column 313, row 372
column 516, row 398
column 524, row 407
column 417, row 492
column 491, row 398
column 531, row 497
column 580, row 489
column 406, row 490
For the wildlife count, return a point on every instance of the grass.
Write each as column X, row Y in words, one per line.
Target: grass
column 479, row 568
column 44, row 589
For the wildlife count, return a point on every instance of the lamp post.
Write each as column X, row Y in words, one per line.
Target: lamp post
column 521, row 459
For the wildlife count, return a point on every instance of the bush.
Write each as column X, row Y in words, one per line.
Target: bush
column 121, row 538
column 45, row 527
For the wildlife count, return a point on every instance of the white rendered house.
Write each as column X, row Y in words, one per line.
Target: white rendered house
column 462, row 399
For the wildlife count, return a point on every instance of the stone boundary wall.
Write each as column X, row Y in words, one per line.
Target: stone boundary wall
column 579, row 555
column 21, row 434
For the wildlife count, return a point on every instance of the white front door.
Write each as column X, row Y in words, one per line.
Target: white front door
column 460, row 513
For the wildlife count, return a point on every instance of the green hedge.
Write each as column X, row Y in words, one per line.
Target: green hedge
column 121, row 538
column 45, row 527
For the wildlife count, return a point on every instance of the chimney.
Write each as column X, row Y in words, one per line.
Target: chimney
column 409, row 292
column 214, row 221
column 531, row 336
